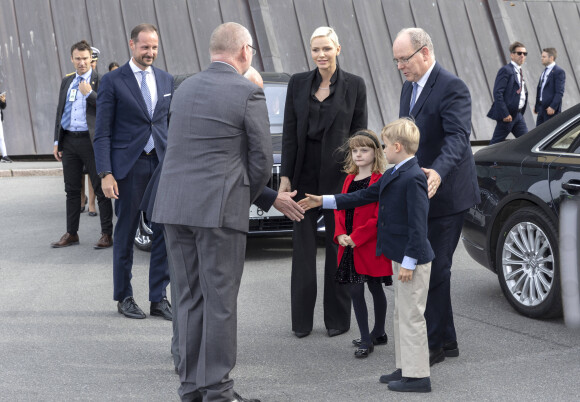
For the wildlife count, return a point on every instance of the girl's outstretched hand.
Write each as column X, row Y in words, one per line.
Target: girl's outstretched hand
column 311, row 201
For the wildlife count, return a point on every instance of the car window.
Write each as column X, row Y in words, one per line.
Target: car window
column 275, row 101
column 568, row 142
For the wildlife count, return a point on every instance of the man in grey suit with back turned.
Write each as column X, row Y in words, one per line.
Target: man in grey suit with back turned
column 218, row 160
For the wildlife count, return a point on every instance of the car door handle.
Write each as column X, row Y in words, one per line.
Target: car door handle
column 572, row 185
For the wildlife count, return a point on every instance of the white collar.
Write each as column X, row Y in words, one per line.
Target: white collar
column 86, row 76
column 137, row 69
column 423, row 80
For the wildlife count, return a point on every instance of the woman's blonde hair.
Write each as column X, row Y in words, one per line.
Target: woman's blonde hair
column 326, row 32
column 364, row 138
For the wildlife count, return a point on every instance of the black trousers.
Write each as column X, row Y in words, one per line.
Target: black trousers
column 443, row 234
column 77, row 151
column 336, row 301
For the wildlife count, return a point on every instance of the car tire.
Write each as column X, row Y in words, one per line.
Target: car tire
column 528, row 263
column 143, row 240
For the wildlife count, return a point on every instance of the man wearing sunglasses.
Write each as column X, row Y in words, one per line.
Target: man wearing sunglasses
column 510, row 97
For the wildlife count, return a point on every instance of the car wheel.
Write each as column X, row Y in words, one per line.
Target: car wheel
column 143, row 239
column 528, row 263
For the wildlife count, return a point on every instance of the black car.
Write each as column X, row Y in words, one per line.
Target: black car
column 514, row 230
column 262, row 223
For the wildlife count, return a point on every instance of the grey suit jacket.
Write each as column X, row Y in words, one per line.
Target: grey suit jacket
column 219, row 151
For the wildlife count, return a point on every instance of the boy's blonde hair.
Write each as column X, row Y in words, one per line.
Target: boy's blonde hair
column 364, row 138
column 405, row 132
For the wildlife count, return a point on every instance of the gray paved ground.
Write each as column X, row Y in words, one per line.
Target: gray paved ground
column 61, row 338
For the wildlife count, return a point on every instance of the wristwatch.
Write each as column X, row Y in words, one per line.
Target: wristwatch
column 103, row 174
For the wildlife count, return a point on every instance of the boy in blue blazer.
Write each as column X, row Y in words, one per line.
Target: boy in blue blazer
column 401, row 237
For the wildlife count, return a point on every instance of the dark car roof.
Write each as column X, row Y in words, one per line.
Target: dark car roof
column 508, row 151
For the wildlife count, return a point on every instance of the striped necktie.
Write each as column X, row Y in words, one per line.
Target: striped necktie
column 147, row 97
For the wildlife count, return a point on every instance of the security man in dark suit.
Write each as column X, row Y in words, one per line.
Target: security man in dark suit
column 440, row 104
column 73, row 145
column 510, row 97
column 550, row 87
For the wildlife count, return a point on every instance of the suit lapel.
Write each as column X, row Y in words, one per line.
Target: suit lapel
column 338, row 97
column 64, row 92
column 302, row 102
column 389, row 176
column 406, row 93
column 426, row 90
column 129, row 78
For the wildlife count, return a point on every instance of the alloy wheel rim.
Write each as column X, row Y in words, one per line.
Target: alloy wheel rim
column 528, row 264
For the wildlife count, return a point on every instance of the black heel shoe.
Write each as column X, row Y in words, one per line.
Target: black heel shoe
column 363, row 352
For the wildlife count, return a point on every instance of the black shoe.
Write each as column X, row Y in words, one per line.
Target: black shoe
column 407, row 384
column 91, row 213
column 301, row 334
column 335, row 332
column 130, row 309
column 363, row 351
column 436, row 356
column 238, row 398
column 6, row 159
column 381, row 340
column 162, row 309
column 451, row 349
column 396, row 375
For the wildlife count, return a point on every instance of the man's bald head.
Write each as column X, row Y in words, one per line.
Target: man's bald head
column 228, row 39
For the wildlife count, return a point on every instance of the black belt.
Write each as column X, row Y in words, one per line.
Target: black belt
column 521, row 111
column 76, row 133
column 152, row 153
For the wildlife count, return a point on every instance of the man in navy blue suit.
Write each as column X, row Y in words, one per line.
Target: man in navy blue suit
column 550, row 87
column 510, row 97
column 130, row 139
column 440, row 104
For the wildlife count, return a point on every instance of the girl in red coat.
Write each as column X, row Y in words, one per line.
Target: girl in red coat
column 356, row 233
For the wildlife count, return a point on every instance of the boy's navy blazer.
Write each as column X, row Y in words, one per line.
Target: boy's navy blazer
column 506, row 98
column 403, row 210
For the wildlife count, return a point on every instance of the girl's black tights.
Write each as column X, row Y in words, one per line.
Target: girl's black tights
column 357, row 293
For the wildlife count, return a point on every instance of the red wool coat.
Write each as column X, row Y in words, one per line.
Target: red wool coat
column 364, row 235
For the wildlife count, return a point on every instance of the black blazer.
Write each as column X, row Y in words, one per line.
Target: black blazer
column 349, row 113
column 91, row 106
column 403, row 210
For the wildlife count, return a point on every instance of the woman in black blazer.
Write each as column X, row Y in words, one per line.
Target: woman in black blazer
column 323, row 108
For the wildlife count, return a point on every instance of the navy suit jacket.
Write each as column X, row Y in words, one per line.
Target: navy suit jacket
column 123, row 123
column 443, row 114
column 505, row 97
column 553, row 90
column 403, row 210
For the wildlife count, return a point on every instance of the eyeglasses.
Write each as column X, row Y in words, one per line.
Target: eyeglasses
column 520, row 53
column 253, row 49
column 406, row 61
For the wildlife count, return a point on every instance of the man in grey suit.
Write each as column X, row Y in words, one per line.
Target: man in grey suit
column 218, row 160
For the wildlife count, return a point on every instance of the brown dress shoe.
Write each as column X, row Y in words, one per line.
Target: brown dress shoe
column 66, row 240
column 105, row 241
